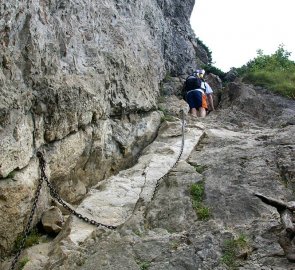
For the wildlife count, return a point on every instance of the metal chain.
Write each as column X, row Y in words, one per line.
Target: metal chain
column 55, row 195
column 28, row 226
column 177, row 160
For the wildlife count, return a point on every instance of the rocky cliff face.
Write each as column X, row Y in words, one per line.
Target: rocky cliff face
column 79, row 81
column 199, row 214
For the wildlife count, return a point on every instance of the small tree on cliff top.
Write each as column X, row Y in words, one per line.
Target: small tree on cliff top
column 275, row 72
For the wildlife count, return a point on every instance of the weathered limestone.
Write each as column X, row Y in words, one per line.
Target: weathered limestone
column 16, row 195
column 52, row 220
column 111, row 64
column 285, row 209
column 239, row 155
column 79, row 80
column 113, row 200
column 236, row 154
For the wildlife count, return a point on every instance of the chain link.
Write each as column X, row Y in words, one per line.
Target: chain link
column 28, row 226
column 55, row 195
column 178, row 158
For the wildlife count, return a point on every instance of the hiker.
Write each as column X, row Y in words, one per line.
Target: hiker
column 196, row 91
column 209, row 91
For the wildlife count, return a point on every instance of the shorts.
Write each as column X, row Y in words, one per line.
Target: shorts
column 196, row 99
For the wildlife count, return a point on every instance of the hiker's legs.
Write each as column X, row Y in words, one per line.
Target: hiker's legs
column 191, row 100
column 194, row 112
column 202, row 112
column 194, row 99
column 197, row 103
column 203, row 106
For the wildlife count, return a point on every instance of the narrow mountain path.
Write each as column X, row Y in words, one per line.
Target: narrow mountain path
column 236, row 151
column 113, row 200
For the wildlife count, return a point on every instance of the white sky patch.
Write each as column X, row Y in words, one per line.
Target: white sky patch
column 234, row 30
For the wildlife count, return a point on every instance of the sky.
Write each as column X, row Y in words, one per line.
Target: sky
column 235, row 29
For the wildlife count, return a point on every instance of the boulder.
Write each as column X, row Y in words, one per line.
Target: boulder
column 52, row 220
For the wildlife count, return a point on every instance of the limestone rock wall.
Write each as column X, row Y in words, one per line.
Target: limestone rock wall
column 79, row 80
column 232, row 154
column 67, row 64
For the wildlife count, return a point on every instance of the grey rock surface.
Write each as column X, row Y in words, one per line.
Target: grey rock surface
column 79, row 80
column 241, row 154
column 52, row 220
column 66, row 65
column 237, row 154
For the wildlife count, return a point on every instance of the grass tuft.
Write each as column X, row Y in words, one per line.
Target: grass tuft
column 197, row 192
column 32, row 239
column 232, row 249
column 23, row 262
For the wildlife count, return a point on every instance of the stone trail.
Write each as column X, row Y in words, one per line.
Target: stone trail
column 240, row 153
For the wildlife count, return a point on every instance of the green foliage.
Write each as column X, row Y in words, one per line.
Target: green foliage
column 200, row 168
column 168, row 77
column 166, row 116
column 203, row 212
column 277, row 61
column 274, row 72
column 11, row 175
column 163, row 110
column 161, row 99
column 197, row 192
column 138, row 233
column 32, row 239
column 209, row 67
column 212, row 69
column 144, row 265
column 23, row 262
column 207, row 50
column 232, row 248
column 280, row 82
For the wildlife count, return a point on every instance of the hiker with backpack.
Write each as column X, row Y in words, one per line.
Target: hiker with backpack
column 209, row 91
column 196, row 93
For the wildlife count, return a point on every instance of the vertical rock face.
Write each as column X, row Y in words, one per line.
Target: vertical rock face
column 73, row 76
column 68, row 64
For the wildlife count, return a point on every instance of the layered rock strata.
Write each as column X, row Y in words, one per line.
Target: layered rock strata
column 233, row 154
column 79, row 80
